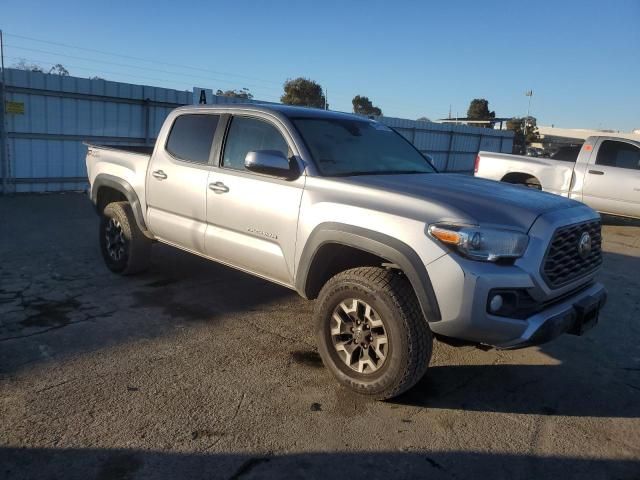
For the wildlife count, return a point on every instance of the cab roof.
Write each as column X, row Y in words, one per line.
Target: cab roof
column 289, row 111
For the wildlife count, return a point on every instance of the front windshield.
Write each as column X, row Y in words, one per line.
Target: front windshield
column 343, row 147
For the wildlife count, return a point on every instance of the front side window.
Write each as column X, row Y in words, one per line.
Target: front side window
column 343, row 147
column 618, row 154
column 248, row 134
column 191, row 137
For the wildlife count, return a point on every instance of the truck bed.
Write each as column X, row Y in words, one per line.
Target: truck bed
column 127, row 162
column 554, row 176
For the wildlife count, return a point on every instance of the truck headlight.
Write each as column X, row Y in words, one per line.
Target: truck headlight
column 485, row 244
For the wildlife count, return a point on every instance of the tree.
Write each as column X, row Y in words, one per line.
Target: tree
column 517, row 125
column 479, row 110
column 240, row 93
column 364, row 106
column 304, row 92
column 422, row 119
column 58, row 69
column 23, row 65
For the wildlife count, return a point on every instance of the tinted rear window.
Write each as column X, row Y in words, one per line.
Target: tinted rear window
column 567, row 154
column 191, row 137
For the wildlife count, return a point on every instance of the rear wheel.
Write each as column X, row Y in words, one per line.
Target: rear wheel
column 371, row 333
column 523, row 179
column 125, row 249
column 533, row 183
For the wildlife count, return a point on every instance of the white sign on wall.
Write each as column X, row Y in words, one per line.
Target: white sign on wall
column 202, row 96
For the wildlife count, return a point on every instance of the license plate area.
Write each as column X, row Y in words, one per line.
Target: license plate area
column 587, row 312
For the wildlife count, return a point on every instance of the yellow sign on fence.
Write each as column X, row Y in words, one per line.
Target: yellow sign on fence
column 17, row 108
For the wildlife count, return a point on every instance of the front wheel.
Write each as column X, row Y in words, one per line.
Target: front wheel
column 371, row 332
column 125, row 249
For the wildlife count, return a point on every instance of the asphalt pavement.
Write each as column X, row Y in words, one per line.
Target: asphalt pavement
column 194, row 370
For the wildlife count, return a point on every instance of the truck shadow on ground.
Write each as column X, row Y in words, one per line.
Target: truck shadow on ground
column 105, row 310
column 118, row 464
column 610, row 220
column 196, row 289
column 527, row 389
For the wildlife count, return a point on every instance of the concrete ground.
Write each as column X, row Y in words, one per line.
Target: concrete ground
column 195, row 370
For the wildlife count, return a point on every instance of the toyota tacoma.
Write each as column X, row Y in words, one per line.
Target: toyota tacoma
column 344, row 210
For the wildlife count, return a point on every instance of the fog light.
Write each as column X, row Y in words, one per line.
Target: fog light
column 496, row 303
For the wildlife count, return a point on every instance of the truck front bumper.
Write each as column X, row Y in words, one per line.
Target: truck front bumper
column 466, row 313
column 574, row 315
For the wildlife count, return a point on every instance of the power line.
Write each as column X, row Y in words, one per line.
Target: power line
column 98, row 70
column 255, row 87
column 103, row 52
column 107, row 72
column 106, row 62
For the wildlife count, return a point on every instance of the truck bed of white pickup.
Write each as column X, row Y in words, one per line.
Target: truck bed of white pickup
column 605, row 174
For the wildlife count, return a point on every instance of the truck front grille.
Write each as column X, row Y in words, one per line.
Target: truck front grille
column 565, row 260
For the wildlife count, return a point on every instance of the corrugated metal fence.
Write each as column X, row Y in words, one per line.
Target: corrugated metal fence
column 452, row 147
column 45, row 140
column 49, row 116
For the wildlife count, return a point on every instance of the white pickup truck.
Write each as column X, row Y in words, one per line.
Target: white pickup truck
column 604, row 173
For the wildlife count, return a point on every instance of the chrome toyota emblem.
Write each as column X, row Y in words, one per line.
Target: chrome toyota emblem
column 584, row 245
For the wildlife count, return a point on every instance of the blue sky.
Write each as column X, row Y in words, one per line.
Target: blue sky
column 412, row 58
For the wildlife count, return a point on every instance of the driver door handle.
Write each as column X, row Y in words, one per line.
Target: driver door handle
column 596, row 172
column 159, row 174
column 218, row 187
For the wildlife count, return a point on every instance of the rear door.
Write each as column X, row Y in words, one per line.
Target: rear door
column 612, row 180
column 177, row 181
column 252, row 218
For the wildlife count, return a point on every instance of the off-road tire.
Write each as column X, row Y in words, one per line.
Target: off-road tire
column 136, row 251
column 410, row 340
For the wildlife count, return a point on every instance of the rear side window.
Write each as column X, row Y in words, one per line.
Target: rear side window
column 567, row 154
column 191, row 137
column 249, row 134
column 618, row 154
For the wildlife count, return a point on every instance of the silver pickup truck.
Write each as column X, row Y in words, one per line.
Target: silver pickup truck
column 343, row 209
column 604, row 173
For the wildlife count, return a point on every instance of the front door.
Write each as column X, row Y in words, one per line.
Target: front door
column 177, row 182
column 252, row 218
column 612, row 181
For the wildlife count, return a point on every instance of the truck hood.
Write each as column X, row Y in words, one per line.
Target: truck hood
column 484, row 201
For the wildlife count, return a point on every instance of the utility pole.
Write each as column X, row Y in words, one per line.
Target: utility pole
column 4, row 157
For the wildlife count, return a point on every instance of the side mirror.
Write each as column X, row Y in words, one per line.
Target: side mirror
column 270, row 162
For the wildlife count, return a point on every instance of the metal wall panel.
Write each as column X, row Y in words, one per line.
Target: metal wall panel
column 453, row 148
column 45, row 143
